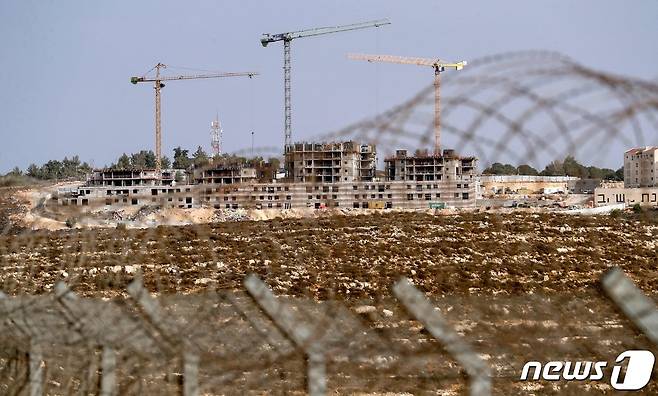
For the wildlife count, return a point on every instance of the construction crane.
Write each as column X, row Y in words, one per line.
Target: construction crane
column 438, row 65
column 287, row 38
column 158, row 85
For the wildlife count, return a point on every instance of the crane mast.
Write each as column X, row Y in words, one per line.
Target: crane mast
column 437, row 65
column 287, row 39
column 287, row 101
column 158, row 85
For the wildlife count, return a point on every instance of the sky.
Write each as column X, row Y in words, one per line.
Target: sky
column 66, row 65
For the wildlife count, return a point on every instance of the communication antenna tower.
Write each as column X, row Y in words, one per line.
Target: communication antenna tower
column 216, row 136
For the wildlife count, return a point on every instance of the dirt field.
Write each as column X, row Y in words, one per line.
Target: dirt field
column 349, row 257
column 10, row 207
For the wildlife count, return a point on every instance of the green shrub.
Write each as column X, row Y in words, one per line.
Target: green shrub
column 12, row 180
column 71, row 221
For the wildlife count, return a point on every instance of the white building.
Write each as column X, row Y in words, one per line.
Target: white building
column 640, row 184
column 641, row 167
column 645, row 196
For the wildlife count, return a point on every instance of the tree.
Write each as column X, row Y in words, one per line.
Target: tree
column 66, row 169
column 181, row 159
column 499, row 169
column 600, row 173
column 149, row 158
column 85, row 168
column 71, row 167
column 574, row 168
column 123, row 162
column 200, row 157
column 143, row 160
column 165, row 162
column 619, row 174
column 137, row 161
column 274, row 163
column 52, row 170
column 526, row 170
column 15, row 172
column 34, row 171
column 555, row 168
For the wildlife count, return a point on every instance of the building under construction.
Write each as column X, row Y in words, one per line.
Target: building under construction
column 131, row 177
column 423, row 167
column 225, row 174
column 320, row 175
column 330, row 162
column 282, row 195
column 316, row 174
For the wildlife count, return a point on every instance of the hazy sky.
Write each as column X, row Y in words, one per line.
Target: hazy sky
column 66, row 65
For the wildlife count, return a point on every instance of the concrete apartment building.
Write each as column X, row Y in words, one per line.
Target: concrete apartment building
column 525, row 184
column 229, row 174
column 131, row 177
column 641, row 167
column 367, row 195
column 330, row 162
column 320, row 175
column 640, row 184
column 423, row 167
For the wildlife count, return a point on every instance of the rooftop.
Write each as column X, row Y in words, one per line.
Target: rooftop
column 422, row 154
column 640, row 150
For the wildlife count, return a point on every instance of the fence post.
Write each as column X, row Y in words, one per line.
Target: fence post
column 422, row 310
column 68, row 300
column 153, row 312
column 190, row 373
column 299, row 333
column 317, row 373
column 6, row 311
column 34, row 355
column 262, row 326
column 36, row 370
column 108, row 371
column 637, row 307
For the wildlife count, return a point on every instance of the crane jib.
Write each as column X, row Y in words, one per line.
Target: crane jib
column 270, row 38
column 287, row 38
column 136, row 80
column 158, row 85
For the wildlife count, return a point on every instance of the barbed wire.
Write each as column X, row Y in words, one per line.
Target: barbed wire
column 524, row 107
column 169, row 309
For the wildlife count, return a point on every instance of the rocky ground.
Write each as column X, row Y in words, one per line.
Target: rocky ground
column 11, row 207
column 342, row 256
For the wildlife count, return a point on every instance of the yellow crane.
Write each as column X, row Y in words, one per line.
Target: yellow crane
column 438, row 65
column 158, row 85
